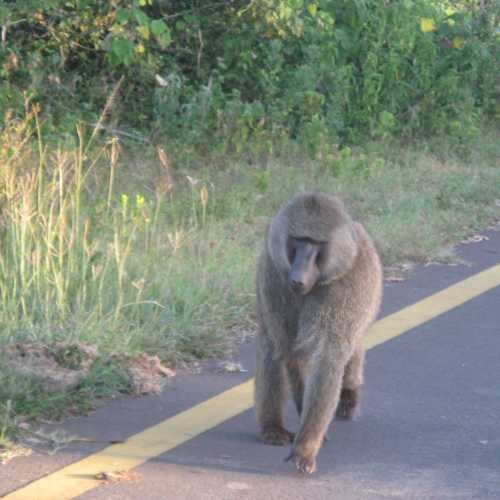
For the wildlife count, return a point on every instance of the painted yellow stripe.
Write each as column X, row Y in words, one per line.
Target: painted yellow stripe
column 79, row 477
column 432, row 306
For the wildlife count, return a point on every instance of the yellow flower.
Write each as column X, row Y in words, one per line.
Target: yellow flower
column 458, row 42
column 427, row 24
column 140, row 49
column 312, row 8
column 139, row 201
column 144, row 31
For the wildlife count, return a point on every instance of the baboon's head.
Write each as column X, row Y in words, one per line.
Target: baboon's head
column 312, row 240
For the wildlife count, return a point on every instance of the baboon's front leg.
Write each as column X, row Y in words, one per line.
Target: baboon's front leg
column 270, row 392
column 321, row 397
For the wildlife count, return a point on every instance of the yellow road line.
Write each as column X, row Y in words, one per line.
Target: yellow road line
column 79, row 477
column 432, row 306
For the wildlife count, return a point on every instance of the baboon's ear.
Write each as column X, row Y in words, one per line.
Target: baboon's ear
column 342, row 251
column 277, row 243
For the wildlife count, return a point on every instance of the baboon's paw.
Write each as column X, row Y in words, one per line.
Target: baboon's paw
column 304, row 464
column 346, row 412
column 277, row 436
column 348, row 404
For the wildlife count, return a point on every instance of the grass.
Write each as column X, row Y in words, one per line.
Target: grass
column 139, row 256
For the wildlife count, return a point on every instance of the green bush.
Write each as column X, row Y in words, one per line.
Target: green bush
column 227, row 74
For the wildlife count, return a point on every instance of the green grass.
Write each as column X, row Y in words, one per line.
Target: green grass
column 24, row 398
column 101, row 248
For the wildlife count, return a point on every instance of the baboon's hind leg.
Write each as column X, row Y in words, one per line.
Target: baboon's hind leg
column 350, row 395
column 296, row 378
column 270, row 393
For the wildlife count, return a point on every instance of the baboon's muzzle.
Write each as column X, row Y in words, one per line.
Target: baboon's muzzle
column 304, row 271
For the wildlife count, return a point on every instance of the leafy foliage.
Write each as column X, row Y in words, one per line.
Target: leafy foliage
column 230, row 73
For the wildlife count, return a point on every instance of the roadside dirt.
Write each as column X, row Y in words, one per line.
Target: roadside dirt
column 62, row 365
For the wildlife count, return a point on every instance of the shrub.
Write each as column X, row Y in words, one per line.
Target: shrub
column 222, row 75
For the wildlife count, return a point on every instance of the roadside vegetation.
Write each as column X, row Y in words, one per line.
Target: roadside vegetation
column 146, row 144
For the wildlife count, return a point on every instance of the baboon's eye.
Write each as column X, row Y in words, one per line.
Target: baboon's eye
column 319, row 257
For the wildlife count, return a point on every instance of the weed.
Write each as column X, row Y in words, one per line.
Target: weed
column 95, row 252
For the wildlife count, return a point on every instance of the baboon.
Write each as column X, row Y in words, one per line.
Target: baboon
column 319, row 287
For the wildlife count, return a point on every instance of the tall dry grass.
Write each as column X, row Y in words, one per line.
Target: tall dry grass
column 81, row 260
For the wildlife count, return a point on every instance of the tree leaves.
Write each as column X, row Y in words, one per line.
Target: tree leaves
column 123, row 50
column 161, row 32
column 346, row 62
column 158, row 27
column 126, row 44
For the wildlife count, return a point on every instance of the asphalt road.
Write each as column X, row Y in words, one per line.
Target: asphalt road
column 430, row 426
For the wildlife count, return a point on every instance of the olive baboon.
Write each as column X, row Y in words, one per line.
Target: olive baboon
column 319, row 285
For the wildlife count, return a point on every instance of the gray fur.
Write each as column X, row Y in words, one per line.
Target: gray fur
column 312, row 343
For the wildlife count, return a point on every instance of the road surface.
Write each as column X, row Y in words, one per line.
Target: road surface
column 430, row 426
